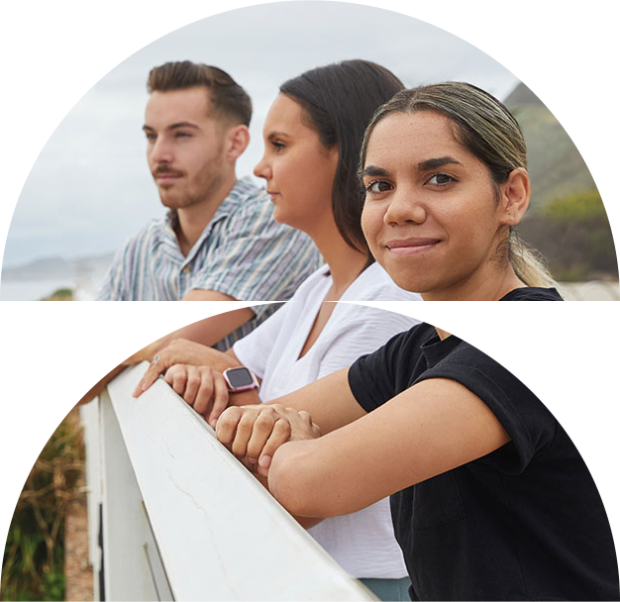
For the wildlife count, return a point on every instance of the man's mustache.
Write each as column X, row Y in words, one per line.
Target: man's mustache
column 165, row 169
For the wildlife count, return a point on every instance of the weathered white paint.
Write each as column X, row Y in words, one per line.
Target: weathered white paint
column 216, row 533
column 89, row 415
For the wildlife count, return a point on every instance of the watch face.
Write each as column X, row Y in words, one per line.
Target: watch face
column 239, row 377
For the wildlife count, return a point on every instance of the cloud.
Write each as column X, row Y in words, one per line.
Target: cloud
column 91, row 179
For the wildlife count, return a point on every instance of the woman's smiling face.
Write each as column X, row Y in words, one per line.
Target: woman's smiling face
column 433, row 217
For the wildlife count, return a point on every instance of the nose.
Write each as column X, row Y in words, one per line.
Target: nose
column 404, row 208
column 263, row 169
column 160, row 151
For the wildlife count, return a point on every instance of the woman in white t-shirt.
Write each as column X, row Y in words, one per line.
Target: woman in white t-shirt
column 362, row 542
column 313, row 134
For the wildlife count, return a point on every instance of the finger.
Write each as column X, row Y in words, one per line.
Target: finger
column 244, row 432
column 227, row 426
column 280, row 435
column 179, row 380
column 263, row 428
column 151, row 375
column 192, row 385
column 220, row 399
column 203, row 399
column 171, row 372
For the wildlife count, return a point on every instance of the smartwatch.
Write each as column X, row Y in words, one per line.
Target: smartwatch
column 240, row 379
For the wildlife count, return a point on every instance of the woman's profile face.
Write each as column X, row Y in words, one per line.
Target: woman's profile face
column 431, row 216
column 298, row 169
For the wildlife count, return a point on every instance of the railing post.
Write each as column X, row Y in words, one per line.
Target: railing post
column 131, row 558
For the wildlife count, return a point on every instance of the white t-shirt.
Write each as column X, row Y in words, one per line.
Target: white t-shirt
column 363, row 542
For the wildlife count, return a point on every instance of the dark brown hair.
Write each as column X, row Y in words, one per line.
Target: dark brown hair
column 487, row 129
column 228, row 99
column 338, row 101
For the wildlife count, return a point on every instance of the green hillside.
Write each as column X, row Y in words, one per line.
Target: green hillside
column 555, row 164
column 567, row 221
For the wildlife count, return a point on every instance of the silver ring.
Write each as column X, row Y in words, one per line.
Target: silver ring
column 155, row 359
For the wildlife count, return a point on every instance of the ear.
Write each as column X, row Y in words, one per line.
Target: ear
column 515, row 196
column 237, row 140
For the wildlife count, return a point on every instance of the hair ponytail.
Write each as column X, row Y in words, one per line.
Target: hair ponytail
column 528, row 263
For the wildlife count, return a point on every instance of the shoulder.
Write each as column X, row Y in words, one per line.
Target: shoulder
column 249, row 212
column 528, row 422
column 247, row 199
column 148, row 238
column 319, row 280
column 377, row 377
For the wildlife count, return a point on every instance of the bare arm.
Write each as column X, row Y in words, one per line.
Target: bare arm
column 329, row 401
column 206, row 332
column 430, row 428
column 324, row 406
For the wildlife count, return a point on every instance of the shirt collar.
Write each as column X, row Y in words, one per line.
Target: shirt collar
column 242, row 189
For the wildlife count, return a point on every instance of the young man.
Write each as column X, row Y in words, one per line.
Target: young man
column 219, row 240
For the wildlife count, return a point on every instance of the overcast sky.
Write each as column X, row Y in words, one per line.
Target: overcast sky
column 90, row 188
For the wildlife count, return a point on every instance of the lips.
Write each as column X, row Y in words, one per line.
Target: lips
column 411, row 246
column 411, row 242
column 166, row 177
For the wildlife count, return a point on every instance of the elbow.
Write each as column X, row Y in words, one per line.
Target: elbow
column 294, row 480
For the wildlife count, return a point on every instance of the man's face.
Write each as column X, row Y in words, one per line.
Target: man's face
column 185, row 146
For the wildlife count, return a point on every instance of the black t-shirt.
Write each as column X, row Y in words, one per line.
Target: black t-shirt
column 524, row 522
column 532, row 293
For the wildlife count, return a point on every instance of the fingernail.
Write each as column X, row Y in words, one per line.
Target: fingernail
column 264, row 461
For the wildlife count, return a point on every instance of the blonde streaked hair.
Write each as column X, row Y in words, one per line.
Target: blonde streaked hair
column 487, row 129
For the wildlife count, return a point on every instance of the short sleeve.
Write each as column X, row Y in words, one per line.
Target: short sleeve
column 372, row 377
column 117, row 285
column 254, row 349
column 111, row 288
column 531, row 427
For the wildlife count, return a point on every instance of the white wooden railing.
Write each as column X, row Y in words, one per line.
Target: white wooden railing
column 174, row 516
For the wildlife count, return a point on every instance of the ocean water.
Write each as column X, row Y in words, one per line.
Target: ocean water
column 15, row 290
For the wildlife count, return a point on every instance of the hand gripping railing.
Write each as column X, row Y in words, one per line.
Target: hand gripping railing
column 176, row 516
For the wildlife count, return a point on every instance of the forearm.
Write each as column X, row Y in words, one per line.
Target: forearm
column 193, row 333
column 329, row 401
column 305, row 521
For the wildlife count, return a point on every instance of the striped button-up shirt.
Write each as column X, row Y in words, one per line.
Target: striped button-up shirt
column 242, row 253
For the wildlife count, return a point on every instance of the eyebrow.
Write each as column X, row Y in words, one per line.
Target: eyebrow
column 174, row 126
column 438, row 162
column 273, row 135
column 427, row 165
column 372, row 170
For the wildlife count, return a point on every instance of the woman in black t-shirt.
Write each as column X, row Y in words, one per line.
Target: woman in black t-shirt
column 444, row 171
column 490, row 499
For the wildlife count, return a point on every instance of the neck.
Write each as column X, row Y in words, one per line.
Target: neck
column 192, row 220
column 485, row 285
column 345, row 263
column 443, row 334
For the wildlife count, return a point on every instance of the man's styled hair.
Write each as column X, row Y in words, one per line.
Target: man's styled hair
column 228, row 99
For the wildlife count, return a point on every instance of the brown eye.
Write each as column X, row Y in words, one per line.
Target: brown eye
column 441, row 179
column 378, row 186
